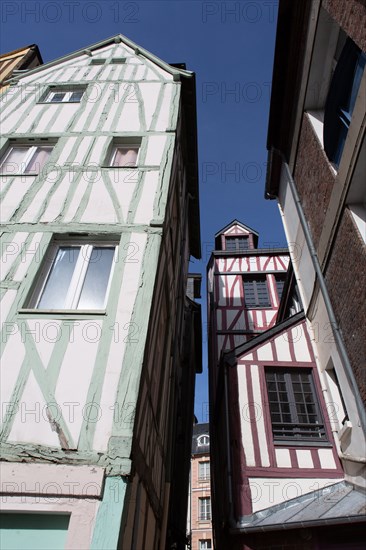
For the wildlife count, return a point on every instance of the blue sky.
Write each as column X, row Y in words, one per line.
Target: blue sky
column 230, row 46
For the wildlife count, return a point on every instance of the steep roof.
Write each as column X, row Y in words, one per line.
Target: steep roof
column 20, row 59
column 230, row 356
column 242, row 225
column 198, row 430
column 236, row 222
column 177, row 73
column 339, row 503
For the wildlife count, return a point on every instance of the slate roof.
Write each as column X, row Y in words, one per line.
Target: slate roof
column 339, row 503
column 198, row 430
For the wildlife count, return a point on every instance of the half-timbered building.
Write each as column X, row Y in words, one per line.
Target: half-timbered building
column 275, row 462
column 100, row 343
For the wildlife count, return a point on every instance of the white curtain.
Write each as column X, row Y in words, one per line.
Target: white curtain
column 38, row 160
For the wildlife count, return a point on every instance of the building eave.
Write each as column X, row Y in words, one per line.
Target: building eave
column 230, row 356
column 175, row 72
column 254, row 252
column 236, row 222
column 320, row 508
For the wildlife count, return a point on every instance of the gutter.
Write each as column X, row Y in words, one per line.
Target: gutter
column 298, row 525
column 323, row 287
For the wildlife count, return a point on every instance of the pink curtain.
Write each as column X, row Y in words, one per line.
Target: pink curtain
column 125, row 156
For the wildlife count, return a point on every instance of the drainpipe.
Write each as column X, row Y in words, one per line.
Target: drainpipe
column 323, row 287
column 230, row 494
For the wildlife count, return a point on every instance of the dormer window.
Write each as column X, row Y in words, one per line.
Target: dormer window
column 203, row 440
column 63, row 94
column 237, row 243
column 97, row 61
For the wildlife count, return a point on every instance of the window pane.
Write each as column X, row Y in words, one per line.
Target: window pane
column 38, row 160
column 230, row 243
column 125, row 156
column 280, row 282
column 256, row 292
column 58, row 282
column 97, row 278
column 57, row 97
column 77, row 95
column 12, row 163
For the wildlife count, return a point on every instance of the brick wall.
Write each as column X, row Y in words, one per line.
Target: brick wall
column 346, row 280
column 314, row 178
column 351, row 16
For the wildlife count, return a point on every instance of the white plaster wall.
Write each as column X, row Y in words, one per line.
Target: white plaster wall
column 265, row 353
column 261, row 430
column 126, row 300
column 301, row 348
column 282, row 347
column 75, row 375
column 31, row 423
column 155, row 150
column 11, row 362
column 10, row 252
column 236, row 230
column 283, row 458
column 17, row 187
column 145, row 209
column 5, row 305
column 246, row 426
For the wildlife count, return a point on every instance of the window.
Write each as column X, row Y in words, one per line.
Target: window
column 34, row 530
column 97, row 61
column 203, row 440
column 341, row 99
column 293, row 404
column 256, row 292
column 204, row 509
column 64, row 95
column 204, row 470
column 237, row 243
column 124, row 154
column 118, row 60
column 205, row 544
column 280, row 283
column 75, row 276
column 25, row 159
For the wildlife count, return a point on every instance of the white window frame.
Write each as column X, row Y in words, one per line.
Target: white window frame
column 78, row 277
column 205, row 544
column 124, row 145
column 204, row 509
column 204, row 470
column 32, row 149
column 201, row 438
column 67, row 94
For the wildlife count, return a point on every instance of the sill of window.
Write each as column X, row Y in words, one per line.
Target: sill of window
column 204, row 520
column 3, row 174
column 62, row 313
column 119, row 167
column 56, row 102
column 298, row 443
column 259, row 307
